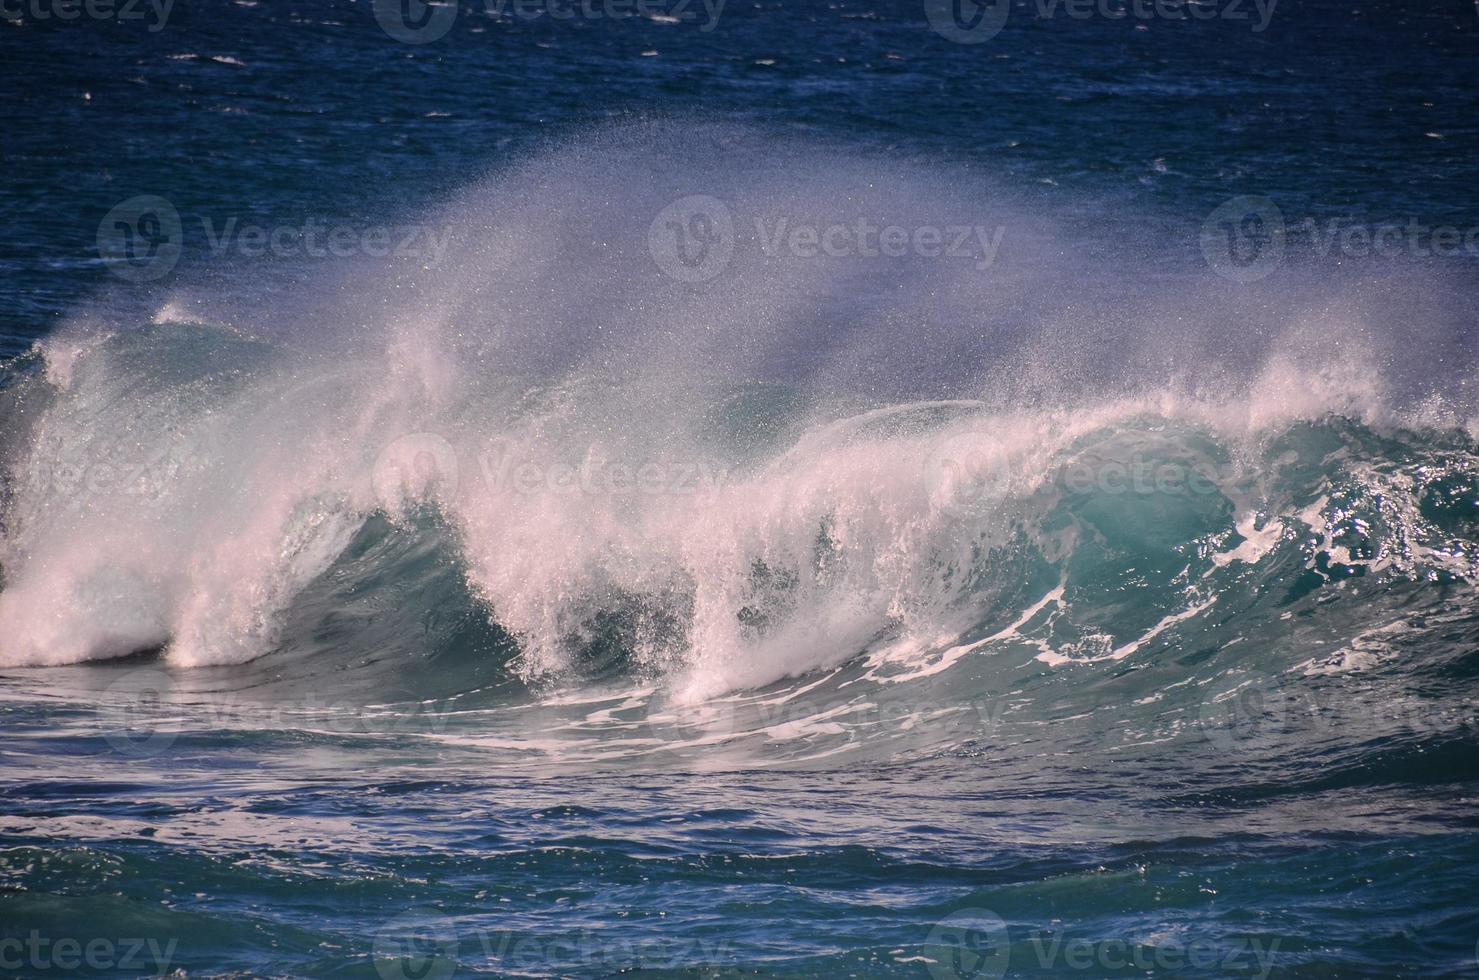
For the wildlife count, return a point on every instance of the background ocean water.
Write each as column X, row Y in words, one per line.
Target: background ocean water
column 533, row 562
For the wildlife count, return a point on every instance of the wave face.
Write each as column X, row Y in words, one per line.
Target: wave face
column 797, row 502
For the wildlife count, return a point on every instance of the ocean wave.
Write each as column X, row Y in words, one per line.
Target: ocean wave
column 544, row 466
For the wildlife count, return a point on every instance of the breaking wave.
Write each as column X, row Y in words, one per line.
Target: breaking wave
column 542, row 470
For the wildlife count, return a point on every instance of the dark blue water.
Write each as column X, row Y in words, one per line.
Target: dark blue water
column 769, row 489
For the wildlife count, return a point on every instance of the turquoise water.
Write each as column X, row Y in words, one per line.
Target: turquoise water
column 819, row 498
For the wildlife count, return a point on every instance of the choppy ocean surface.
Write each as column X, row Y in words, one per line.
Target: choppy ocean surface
column 767, row 489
